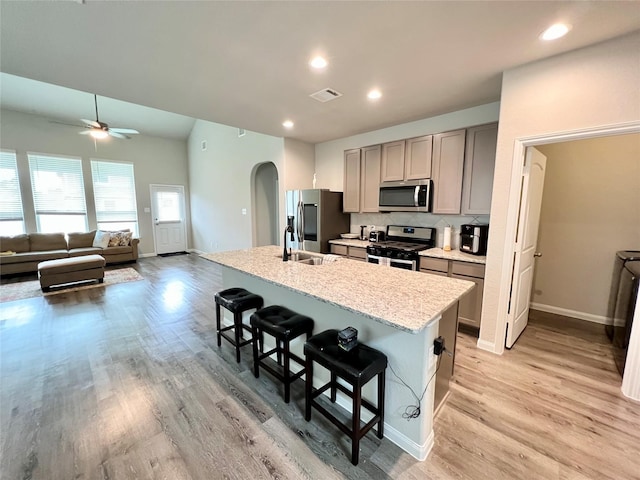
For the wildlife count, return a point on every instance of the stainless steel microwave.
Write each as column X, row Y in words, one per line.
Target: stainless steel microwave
column 409, row 196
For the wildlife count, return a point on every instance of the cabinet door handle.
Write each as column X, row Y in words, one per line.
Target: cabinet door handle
column 537, row 254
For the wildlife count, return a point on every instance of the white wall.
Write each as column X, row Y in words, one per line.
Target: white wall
column 220, row 181
column 590, row 210
column 589, row 88
column 155, row 159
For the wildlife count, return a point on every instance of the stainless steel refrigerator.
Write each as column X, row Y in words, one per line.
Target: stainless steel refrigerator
column 317, row 218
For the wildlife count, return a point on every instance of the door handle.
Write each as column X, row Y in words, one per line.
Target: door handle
column 537, row 254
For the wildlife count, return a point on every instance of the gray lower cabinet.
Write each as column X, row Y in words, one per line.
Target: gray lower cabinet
column 447, row 170
column 479, row 165
column 470, row 308
column 355, row 253
column 361, row 180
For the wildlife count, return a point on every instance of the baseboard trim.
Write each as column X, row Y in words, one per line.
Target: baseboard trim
column 487, row 346
column 589, row 317
column 146, row 255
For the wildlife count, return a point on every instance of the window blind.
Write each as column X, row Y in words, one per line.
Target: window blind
column 57, row 185
column 10, row 198
column 114, row 192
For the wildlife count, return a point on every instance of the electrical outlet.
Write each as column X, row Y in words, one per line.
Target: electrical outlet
column 244, row 211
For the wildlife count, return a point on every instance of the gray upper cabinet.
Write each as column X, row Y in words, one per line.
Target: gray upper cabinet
column 351, row 195
column 361, row 179
column 418, row 157
column 407, row 159
column 392, row 162
column 479, row 166
column 447, row 170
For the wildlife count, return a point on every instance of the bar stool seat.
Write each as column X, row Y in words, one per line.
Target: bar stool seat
column 237, row 301
column 357, row 367
column 284, row 325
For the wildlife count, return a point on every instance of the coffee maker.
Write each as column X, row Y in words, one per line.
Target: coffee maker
column 473, row 238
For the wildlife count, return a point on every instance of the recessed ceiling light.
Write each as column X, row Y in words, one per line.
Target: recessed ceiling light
column 555, row 31
column 287, row 124
column 318, row 62
column 374, row 94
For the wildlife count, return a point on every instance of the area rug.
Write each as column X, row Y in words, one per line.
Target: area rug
column 21, row 290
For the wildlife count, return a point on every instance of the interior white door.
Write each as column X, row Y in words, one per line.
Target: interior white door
column 525, row 248
column 169, row 225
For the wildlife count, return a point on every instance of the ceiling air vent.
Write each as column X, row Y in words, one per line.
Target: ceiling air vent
column 325, row 95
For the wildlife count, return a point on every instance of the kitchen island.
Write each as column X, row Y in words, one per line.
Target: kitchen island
column 396, row 311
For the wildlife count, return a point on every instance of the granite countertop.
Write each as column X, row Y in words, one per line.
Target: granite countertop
column 453, row 255
column 350, row 242
column 431, row 252
column 407, row 300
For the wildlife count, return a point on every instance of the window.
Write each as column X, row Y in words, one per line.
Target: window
column 11, row 217
column 114, row 191
column 58, row 193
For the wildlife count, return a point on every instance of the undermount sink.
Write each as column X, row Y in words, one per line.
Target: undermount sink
column 306, row 258
column 310, row 261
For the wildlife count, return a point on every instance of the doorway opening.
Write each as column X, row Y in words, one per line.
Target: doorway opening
column 265, row 201
column 521, row 146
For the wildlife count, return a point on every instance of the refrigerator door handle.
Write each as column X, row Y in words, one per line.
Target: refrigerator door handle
column 300, row 227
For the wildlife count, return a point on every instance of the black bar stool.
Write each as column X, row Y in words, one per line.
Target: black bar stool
column 237, row 301
column 356, row 367
column 284, row 325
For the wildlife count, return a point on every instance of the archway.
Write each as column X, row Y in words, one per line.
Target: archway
column 265, row 204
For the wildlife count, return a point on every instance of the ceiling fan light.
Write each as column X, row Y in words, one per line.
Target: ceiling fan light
column 98, row 134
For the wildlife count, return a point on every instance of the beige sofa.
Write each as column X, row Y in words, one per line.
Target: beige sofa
column 31, row 249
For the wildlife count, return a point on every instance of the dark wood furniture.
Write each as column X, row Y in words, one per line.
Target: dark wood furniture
column 357, row 367
column 237, row 301
column 283, row 325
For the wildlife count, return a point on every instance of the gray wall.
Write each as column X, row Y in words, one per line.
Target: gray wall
column 220, row 181
column 156, row 160
column 590, row 210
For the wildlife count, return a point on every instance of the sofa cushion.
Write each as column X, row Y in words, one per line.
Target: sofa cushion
column 24, row 257
column 17, row 243
column 116, row 250
column 47, row 241
column 80, row 239
column 101, row 239
column 77, row 252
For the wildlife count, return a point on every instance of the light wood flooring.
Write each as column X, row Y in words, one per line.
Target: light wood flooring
column 127, row 382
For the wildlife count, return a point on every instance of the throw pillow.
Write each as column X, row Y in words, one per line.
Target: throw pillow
column 114, row 239
column 125, row 239
column 101, row 240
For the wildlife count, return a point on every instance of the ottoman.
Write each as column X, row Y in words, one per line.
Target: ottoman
column 67, row 270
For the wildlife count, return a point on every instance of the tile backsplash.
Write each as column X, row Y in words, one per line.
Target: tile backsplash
column 381, row 220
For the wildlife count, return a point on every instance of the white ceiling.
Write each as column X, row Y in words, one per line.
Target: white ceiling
column 244, row 64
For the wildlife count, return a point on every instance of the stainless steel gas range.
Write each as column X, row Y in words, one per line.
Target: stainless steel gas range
column 402, row 246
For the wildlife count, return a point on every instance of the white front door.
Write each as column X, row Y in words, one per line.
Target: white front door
column 169, row 225
column 526, row 240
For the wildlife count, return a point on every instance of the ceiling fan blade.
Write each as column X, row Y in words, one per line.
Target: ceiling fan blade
column 85, row 132
column 91, row 123
column 129, row 131
column 68, row 124
column 116, row 134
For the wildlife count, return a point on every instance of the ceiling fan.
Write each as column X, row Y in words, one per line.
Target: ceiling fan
column 98, row 129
